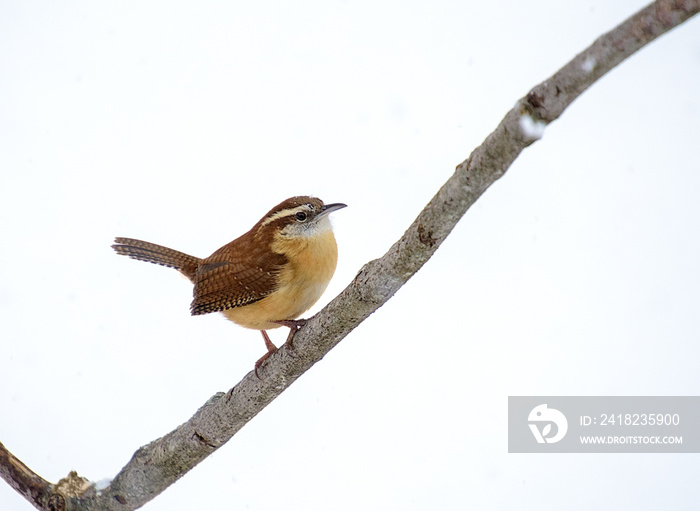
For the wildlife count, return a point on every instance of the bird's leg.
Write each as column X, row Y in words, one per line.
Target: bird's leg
column 294, row 325
column 271, row 348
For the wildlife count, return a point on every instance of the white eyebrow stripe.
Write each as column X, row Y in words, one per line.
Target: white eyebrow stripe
column 283, row 213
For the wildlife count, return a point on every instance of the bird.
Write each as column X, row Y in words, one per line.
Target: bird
column 264, row 279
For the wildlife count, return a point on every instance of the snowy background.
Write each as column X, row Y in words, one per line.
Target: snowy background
column 183, row 123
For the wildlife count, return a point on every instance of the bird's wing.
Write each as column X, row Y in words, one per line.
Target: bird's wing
column 228, row 279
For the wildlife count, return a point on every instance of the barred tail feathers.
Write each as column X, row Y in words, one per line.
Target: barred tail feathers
column 157, row 254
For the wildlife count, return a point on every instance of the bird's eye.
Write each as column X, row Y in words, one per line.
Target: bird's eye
column 301, row 216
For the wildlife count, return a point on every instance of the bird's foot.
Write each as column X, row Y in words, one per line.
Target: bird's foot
column 271, row 348
column 262, row 359
column 294, row 325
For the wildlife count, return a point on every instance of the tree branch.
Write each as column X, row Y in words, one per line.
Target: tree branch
column 159, row 464
column 32, row 487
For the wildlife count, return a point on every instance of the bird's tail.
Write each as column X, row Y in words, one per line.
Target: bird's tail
column 157, row 254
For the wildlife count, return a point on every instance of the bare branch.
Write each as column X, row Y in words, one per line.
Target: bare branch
column 157, row 465
column 21, row 478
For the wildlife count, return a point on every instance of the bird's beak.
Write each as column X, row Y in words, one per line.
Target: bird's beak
column 327, row 209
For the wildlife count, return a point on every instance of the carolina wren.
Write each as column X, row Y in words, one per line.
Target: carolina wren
column 264, row 279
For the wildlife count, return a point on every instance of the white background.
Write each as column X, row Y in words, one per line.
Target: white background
column 183, row 123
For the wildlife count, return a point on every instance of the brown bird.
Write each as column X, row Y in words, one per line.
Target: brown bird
column 264, row 279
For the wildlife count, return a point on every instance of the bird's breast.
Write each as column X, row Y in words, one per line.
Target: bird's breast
column 301, row 282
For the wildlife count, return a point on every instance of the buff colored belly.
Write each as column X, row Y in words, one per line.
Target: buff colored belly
column 302, row 282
